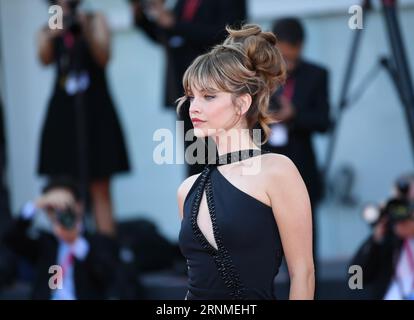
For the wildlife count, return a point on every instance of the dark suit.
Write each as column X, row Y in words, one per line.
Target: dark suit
column 378, row 262
column 91, row 276
column 187, row 40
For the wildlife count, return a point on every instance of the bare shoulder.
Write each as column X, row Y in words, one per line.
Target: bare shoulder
column 280, row 170
column 284, row 185
column 278, row 164
column 183, row 190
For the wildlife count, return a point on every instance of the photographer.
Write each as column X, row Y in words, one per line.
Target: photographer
column 387, row 256
column 81, row 136
column 86, row 261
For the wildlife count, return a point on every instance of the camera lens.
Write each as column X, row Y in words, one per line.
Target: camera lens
column 398, row 210
column 66, row 218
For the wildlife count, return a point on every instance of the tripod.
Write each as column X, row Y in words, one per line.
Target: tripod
column 81, row 85
column 396, row 65
column 5, row 213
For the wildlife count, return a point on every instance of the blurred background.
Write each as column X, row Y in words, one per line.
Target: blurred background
column 372, row 146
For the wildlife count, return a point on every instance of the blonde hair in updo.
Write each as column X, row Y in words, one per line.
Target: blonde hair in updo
column 247, row 62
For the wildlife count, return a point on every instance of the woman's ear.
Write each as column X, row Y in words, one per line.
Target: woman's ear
column 244, row 102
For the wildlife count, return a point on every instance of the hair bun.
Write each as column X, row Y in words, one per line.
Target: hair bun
column 261, row 51
column 247, row 62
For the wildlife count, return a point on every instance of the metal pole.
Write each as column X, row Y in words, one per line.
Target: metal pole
column 350, row 66
column 402, row 69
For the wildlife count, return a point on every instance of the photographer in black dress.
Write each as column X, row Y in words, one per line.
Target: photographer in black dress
column 81, row 135
column 85, row 262
column 387, row 256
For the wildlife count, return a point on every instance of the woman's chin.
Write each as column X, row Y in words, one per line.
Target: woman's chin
column 199, row 133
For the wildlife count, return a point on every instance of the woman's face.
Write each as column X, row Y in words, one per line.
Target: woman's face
column 212, row 112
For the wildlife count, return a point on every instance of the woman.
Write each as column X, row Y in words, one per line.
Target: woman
column 237, row 223
column 81, row 133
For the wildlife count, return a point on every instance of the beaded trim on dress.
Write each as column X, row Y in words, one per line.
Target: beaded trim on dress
column 222, row 258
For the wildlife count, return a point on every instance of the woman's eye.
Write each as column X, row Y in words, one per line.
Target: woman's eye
column 207, row 97
column 191, row 98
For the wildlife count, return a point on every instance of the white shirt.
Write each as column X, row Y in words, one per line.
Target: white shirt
column 405, row 273
column 79, row 249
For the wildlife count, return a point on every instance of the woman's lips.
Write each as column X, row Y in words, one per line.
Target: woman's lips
column 196, row 121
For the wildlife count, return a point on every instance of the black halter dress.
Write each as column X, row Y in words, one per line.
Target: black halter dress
column 249, row 250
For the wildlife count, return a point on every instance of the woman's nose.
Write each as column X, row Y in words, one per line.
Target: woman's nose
column 194, row 106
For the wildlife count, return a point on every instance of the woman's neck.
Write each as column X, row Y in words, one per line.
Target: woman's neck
column 234, row 140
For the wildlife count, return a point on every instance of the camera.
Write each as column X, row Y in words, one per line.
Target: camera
column 396, row 209
column 70, row 21
column 66, row 218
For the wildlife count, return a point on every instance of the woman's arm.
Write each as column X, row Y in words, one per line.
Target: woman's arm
column 292, row 211
column 45, row 49
column 99, row 37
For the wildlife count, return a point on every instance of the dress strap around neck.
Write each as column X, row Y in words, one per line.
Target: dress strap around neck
column 239, row 155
